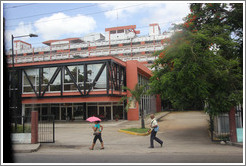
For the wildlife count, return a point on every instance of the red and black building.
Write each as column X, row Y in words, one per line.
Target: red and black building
column 74, row 89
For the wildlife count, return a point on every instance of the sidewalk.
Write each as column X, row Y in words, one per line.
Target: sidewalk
column 79, row 135
column 63, row 142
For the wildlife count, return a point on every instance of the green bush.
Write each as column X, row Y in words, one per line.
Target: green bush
column 19, row 129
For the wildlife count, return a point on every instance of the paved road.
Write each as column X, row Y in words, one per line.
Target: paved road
column 185, row 138
column 130, row 158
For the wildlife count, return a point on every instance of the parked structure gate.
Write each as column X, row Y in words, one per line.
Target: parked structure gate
column 46, row 129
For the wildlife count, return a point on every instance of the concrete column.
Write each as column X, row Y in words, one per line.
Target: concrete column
column 232, row 122
column 34, row 128
column 132, row 80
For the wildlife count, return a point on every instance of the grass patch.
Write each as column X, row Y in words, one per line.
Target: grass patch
column 19, row 129
column 137, row 130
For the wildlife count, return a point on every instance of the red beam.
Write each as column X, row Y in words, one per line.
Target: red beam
column 119, row 28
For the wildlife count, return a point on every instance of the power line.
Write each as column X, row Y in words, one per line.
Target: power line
column 50, row 12
column 10, row 7
column 84, row 14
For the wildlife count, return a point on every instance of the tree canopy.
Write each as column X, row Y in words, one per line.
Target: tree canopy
column 202, row 61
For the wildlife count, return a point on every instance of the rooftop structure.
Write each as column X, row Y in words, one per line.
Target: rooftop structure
column 122, row 42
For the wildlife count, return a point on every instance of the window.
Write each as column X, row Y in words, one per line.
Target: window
column 78, row 74
column 47, row 75
column 101, row 83
column 120, row 31
column 33, row 76
column 56, row 85
column 81, row 76
column 112, row 32
column 68, row 82
column 92, row 71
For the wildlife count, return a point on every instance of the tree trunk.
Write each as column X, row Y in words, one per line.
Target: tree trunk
column 142, row 118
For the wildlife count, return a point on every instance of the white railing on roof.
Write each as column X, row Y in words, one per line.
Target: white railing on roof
column 97, row 43
column 141, row 59
column 86, row 53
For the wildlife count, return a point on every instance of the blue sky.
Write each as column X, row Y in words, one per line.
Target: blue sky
column 59, row 20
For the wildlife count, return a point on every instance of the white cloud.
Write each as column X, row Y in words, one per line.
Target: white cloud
column 60, row 24
column 168, row 13
column 21, row 29
column 155, row 12
column 123, row 10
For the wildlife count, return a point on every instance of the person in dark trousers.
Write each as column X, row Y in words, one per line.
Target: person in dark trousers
column 154, row 126
column 97, row 128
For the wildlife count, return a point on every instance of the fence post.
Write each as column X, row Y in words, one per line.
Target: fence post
column 34, row 129
column 232, row 123
column 23, row 123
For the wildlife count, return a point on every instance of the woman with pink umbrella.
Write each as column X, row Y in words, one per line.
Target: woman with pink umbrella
column 97, row 128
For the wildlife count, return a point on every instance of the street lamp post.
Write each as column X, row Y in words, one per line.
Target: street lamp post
column 12, row 39
column 14, row 102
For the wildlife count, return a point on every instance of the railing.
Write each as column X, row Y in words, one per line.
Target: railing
column 46, row 129
column 86, row 53
column 97, row 43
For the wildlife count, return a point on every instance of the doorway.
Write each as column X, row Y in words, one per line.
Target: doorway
column 66, row 113
column 106, row 111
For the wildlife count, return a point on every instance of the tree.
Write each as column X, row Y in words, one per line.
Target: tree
column 201, row 62
column 136, row 93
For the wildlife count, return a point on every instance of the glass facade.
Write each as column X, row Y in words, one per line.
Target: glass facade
column 30, row 76
column 54, row 86
column 77, row 73
column 92, row 71
column 106, row 76
column 77, row 111
column 69, row 78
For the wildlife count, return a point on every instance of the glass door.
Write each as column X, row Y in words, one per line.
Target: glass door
column 108, row 113
column 63, row 113
column 101, row 112
column 66, row 113
column 69, row 113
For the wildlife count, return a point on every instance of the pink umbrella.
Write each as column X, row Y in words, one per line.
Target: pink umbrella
column 93, row 119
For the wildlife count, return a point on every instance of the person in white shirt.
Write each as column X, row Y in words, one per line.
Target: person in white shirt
column 154, row 126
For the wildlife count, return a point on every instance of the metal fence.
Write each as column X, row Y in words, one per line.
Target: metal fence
column 46, row 129
column 239, row 116
column 21, row 124
column 220, row 127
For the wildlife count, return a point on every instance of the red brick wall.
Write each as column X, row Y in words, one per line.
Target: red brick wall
column 34, row 127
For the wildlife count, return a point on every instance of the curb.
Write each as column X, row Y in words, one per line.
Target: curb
column 16, row 150
column 142, row 134
column 234, row 144
column 133, row 133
